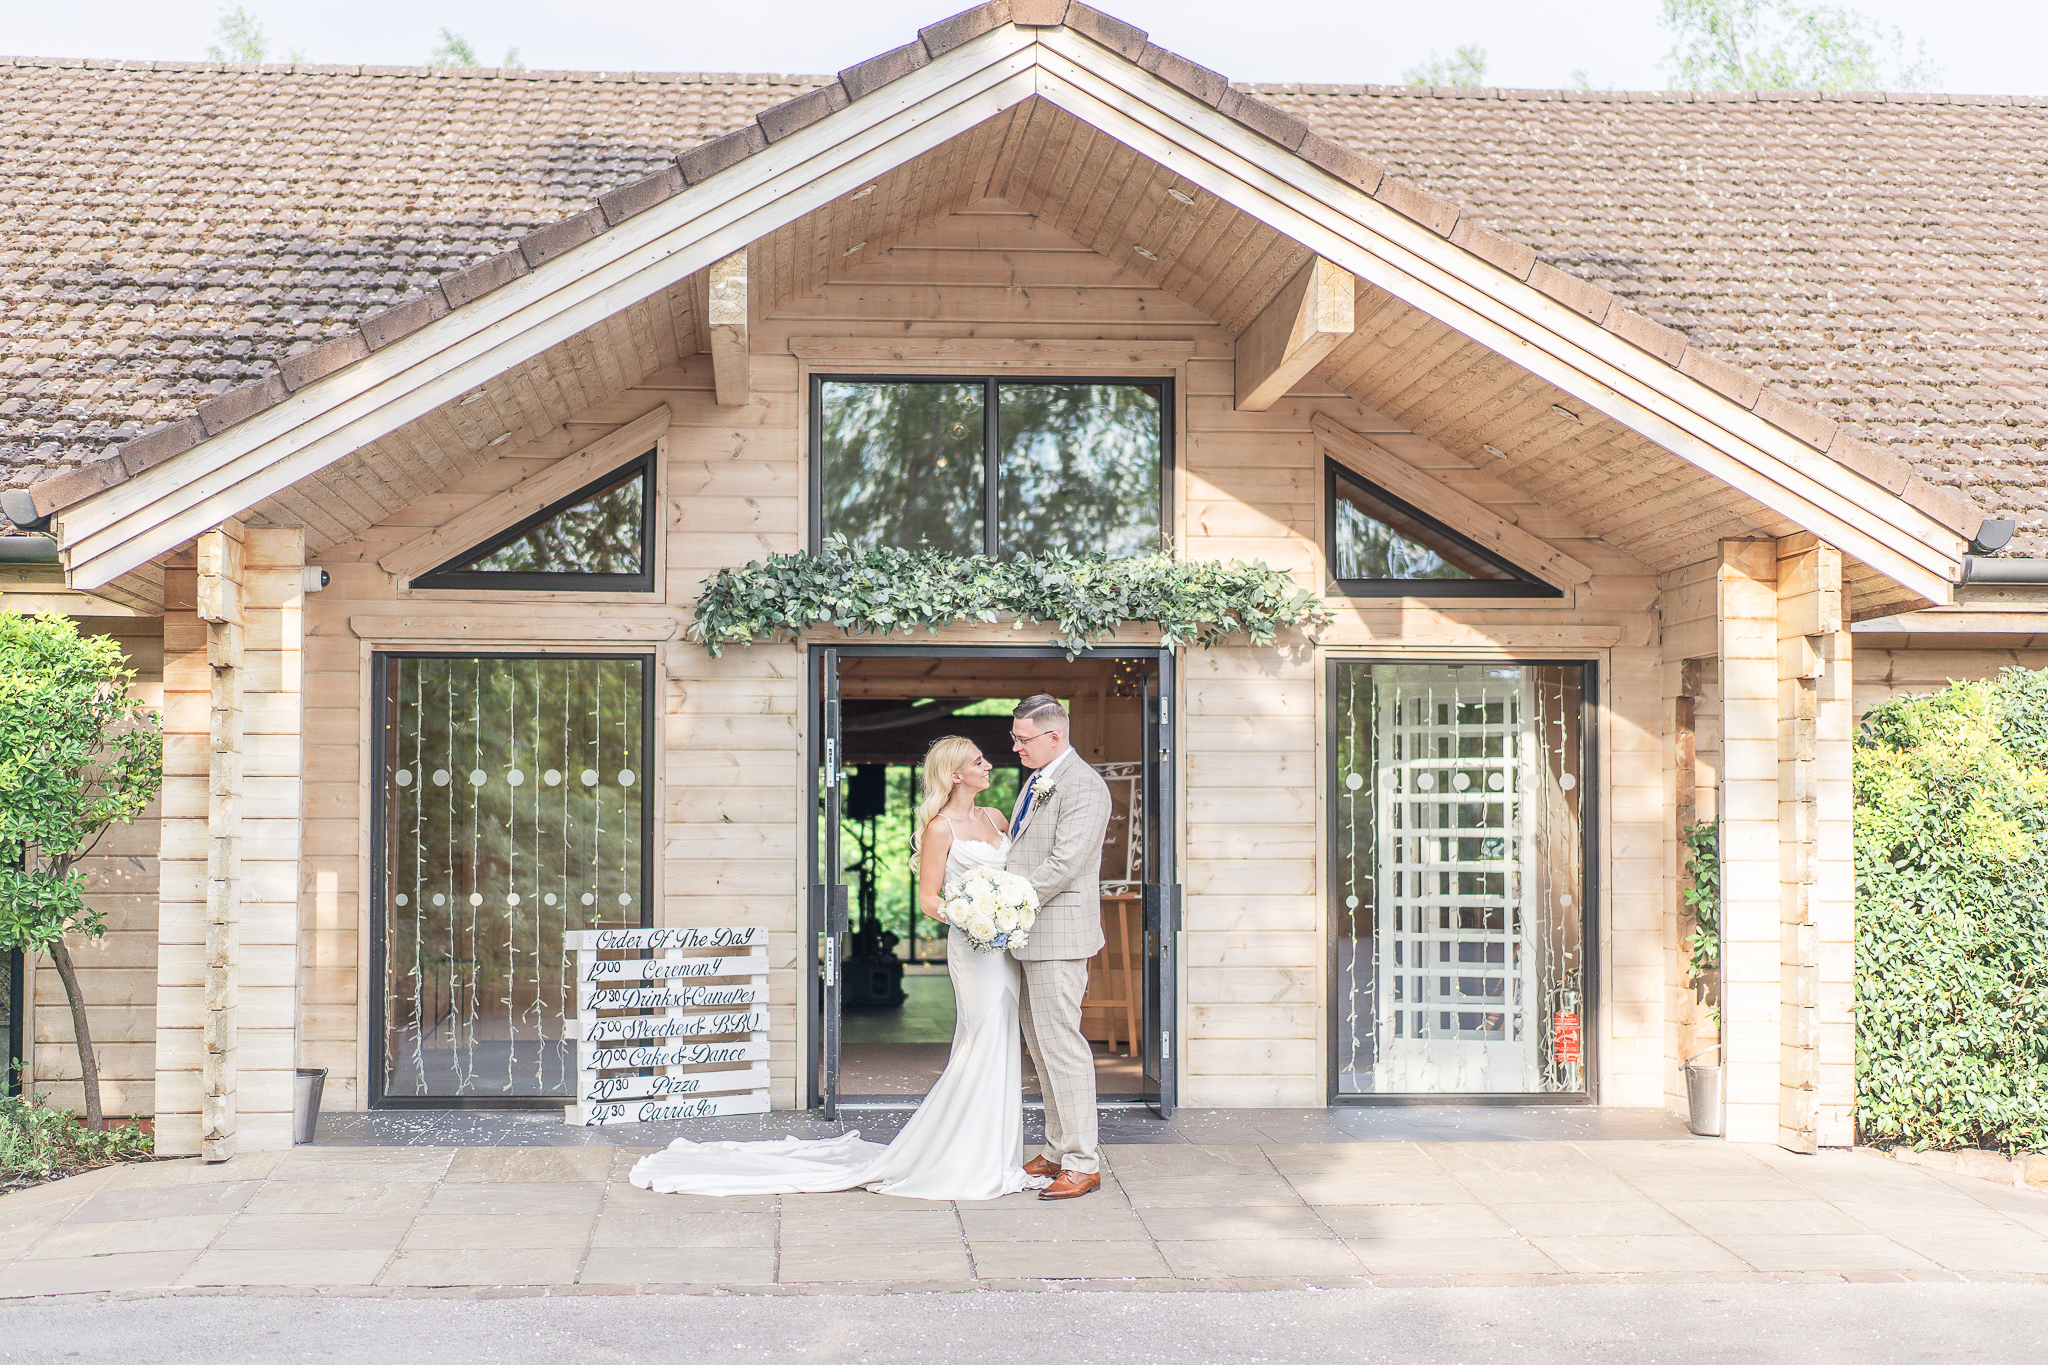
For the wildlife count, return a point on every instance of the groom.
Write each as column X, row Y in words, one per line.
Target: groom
column 1056, row 832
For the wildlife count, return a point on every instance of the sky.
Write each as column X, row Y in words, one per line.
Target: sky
column 1981, row 46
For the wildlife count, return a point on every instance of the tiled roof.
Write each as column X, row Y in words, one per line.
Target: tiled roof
column 170, row 231
column 1884, row 259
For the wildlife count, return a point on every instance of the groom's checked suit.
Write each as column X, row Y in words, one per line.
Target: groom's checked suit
column 1057, row 845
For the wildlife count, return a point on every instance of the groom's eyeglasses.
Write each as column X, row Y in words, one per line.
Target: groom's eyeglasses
column 1018, row 741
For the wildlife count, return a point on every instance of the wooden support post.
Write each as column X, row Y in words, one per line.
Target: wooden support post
column 1809, row 589
column 1290, row 336
column 222, row 569
column 1751, row 887
column 728, row 328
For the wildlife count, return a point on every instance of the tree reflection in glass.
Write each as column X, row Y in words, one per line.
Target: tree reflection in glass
column 1080, row 468
column 903, row 463
column 601, row 534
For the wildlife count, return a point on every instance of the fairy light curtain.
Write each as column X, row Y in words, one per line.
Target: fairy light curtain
column 515, row 809
column 1460, row 879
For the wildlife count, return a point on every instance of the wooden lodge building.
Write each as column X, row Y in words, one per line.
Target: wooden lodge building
column 392, row 419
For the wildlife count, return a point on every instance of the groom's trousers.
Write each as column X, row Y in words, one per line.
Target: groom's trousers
column 1049, row 1005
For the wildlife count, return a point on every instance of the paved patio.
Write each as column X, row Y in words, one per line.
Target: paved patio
column 408, row 1219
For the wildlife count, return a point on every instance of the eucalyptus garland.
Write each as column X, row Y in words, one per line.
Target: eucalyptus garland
column 880, row 591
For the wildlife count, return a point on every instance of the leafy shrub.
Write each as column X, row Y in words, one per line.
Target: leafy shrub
column 38, row 1142
column 1703, row 897
column 1952, row 916
column 1088, row 597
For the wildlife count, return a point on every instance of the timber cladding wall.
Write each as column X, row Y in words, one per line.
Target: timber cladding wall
column 1249, row 485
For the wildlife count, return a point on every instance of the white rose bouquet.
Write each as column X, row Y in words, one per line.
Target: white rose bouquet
column 994, row 908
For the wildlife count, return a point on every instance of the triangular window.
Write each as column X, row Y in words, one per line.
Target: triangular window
column 595, row 540
column 1382, row 547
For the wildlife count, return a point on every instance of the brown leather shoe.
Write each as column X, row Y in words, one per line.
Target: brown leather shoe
column 1039, row 1166
column 1072, row 1185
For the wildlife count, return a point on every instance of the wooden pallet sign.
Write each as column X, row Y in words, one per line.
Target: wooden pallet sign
column 704, row 1053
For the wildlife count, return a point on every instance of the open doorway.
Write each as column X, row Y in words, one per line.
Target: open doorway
column 885, row 1007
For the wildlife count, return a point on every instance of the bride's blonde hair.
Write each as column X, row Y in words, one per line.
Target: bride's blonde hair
column 941, row 762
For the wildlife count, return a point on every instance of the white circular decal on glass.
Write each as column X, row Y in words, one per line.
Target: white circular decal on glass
column 1425, row 782
column 1567, row 781
column 590, row 777
column 440, row 777
column 1351, row 902
column 1495, row 781
column 512, row 898
column 625, row 777
column 553, row 777
column 476, row 898
column 625, row 899
column 589, row 899
column 477, row 777
column 548, row 899
column 1564, row 900
column 516, row 778
column 1460, row 781
column 440, row 899
column 405, row 777
column 403, row 899
column 1354, row 782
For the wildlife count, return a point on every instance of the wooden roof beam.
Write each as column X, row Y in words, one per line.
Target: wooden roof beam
column 1293, row 332
column 727, row 323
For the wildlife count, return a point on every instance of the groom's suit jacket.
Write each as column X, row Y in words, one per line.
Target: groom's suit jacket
column 1059, row 849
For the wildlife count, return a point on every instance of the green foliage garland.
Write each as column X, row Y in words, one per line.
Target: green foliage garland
column 1952, row 916
column 1088, row 598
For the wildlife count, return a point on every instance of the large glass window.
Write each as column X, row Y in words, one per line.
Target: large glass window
column 979, row 466
column 1460, row 810
column 515, row 806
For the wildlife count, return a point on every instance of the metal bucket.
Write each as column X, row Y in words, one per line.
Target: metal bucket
column 307, row 1083
column 1703, row 1094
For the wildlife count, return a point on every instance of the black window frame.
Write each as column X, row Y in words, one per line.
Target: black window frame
column 382, row 717
column 991, row 441
column 1522, row 584
column 449, row 575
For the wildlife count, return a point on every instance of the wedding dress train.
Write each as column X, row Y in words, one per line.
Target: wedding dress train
column 965, row 1141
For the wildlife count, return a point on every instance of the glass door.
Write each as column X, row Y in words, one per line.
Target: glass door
column 512, row 806
column 1161, row 896
column 828, row 891
column 1460, row 813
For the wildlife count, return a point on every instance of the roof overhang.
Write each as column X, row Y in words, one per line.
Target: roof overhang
column 323, row 422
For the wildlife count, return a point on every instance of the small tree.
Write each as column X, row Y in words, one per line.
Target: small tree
column 77, row 755
column 1465, row 66
column 1783, row 45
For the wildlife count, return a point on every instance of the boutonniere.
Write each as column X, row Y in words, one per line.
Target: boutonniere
column 1047, row 792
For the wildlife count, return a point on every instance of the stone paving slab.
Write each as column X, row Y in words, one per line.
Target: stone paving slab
column 411, row 1220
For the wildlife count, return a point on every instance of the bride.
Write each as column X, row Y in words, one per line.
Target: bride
column 966, row 1140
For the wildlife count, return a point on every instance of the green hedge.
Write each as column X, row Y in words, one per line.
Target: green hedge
column 1952, row 917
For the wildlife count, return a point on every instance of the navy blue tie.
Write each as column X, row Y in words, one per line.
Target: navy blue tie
column 1030, row 790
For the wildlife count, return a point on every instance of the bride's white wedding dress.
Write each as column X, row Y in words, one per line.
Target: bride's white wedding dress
column 965, row 1141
